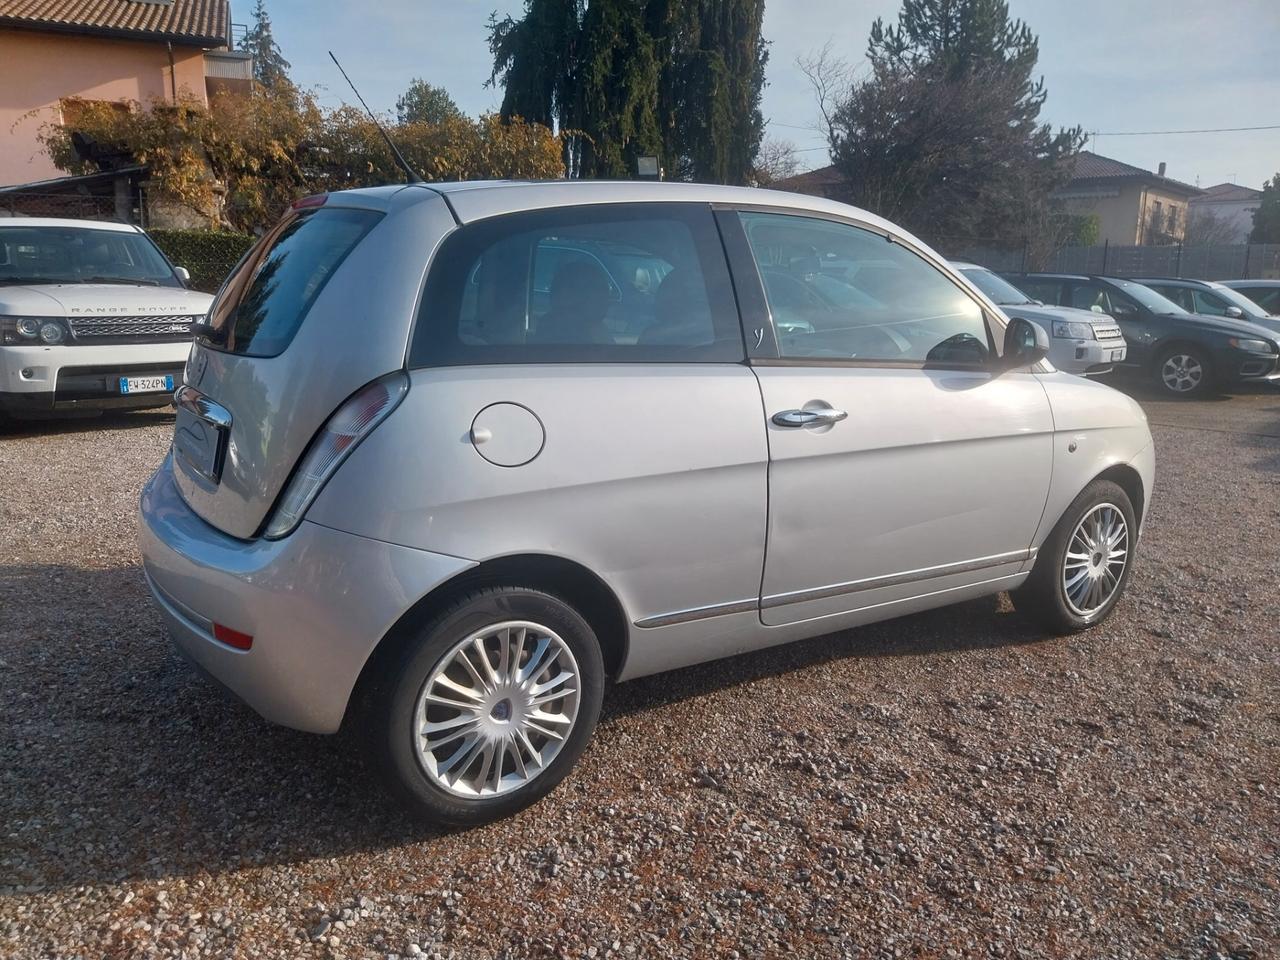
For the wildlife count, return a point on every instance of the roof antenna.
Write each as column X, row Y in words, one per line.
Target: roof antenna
column 409, row 173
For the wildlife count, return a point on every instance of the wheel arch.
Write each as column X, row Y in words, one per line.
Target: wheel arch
column 1129, row 480
column 567, row 579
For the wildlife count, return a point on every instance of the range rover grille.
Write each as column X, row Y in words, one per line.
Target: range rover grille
column 1107, row 333
column 176, row 327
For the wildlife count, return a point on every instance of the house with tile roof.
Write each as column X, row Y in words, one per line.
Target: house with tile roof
column 1133, row 206
column 54, row 53
column 1231, row 205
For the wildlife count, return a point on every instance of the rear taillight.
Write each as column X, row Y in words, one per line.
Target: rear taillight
column 349, row 424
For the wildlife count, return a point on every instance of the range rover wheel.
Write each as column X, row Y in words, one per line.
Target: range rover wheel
column 1184, row 371
column 488, row 706
column 1082, row 569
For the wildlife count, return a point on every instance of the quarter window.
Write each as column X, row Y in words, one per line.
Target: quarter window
column 841, row 292
column 581, row 284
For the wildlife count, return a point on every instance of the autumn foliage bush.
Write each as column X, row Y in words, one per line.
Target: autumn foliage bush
column 246, row 157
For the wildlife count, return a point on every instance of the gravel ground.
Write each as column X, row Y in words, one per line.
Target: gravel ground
column 951, row 784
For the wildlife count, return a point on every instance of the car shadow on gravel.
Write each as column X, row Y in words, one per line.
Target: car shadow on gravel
column 982, row 624
column 106, row 728
column 11, row 429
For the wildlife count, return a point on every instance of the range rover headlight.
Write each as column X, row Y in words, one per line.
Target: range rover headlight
column 1253, row 346
column 1072, row 330
column 52, row 332
column 28, row 327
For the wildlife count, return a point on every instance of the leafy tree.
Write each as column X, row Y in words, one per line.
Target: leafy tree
column 243, row 159
column 269, row 65
column 1266, row 219
column 944, row 135
column 680, row 79
column 424, row 103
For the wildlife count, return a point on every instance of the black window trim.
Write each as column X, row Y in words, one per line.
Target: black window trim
column 762, row 348
column 697, row 214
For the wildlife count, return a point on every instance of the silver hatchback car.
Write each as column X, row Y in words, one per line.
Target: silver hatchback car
column 449, row 458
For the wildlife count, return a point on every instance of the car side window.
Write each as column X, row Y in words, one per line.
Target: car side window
column 1090, row 296
column 840, row 292
column 621, row 283
column 1268, row 299
column 1207, row 303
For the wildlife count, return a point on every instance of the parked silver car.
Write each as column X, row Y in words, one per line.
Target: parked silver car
column 426, row 482
column 1085, row 342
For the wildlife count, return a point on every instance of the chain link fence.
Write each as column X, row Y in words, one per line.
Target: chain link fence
column 68, row 205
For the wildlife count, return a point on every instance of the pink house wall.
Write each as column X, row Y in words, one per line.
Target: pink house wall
column 37, row 70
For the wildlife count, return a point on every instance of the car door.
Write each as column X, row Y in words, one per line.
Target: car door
column 1134, row 320
column 899, row 464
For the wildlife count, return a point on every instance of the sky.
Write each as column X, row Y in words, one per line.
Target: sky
column 1110, row 66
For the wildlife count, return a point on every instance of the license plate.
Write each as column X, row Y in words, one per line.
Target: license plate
column 1117, row 355
column 146, row 384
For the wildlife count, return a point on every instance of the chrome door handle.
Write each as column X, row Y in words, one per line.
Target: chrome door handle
column 809, row 418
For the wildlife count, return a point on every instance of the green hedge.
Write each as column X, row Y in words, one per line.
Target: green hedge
column 209, row 255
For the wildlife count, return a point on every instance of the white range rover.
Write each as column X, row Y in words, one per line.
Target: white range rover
column 92, row 316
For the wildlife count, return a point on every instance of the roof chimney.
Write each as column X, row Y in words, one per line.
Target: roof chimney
column 1161, row 169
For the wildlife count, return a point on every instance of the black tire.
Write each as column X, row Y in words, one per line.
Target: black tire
column 1183, row 370
column 1044, row 596
column 391, row 700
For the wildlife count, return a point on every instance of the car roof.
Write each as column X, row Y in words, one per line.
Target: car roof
column 1187, row 280
column 1251, row 283
column 115, row 225
column 473, row 200
column 966, row 265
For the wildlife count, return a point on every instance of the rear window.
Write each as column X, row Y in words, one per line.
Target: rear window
column 263, row 303
column 609, row 283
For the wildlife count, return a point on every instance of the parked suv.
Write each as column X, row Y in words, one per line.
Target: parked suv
column 1212, row 299
column 92, row 316
column 1265, row 293
column 408, row 494
column 1185, row 354
column 1080, row 341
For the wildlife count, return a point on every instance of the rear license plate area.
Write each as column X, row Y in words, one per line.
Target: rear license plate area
column 158, row 384
column 200, row 433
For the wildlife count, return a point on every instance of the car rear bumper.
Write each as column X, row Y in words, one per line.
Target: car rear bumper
column 316, row 604
column 40, row 380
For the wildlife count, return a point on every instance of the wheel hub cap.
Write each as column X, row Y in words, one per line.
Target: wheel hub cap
column 1181, row 373
column 1096, row 556
column 496, row 709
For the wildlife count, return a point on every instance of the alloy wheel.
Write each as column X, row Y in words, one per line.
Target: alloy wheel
column 1096, row 556
column 1182, row 373
column 497, row 709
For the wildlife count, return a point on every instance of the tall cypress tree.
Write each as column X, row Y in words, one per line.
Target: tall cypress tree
column 269, row 65
column 681, row 79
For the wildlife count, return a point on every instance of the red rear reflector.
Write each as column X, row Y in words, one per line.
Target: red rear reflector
column 315, row 200
column 232, row 638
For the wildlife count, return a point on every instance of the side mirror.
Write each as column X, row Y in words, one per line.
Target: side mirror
column 184, row 275
column 1235, row 313
column 1025, row 344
